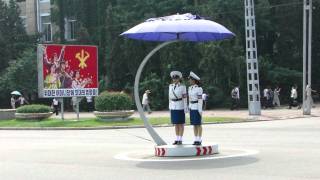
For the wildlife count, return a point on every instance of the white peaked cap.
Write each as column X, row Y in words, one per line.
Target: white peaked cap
column 176, row 73
column 194, row 76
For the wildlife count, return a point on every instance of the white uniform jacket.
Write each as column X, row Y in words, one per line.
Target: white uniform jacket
column 195, row 98
column 178, row 97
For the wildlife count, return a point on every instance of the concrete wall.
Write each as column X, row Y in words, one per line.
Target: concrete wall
column 6, row 114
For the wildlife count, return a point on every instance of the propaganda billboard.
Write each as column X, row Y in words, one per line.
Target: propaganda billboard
column 67, row 70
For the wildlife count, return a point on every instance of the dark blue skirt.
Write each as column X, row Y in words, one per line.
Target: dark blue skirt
column 195, row 117
column 178, row 117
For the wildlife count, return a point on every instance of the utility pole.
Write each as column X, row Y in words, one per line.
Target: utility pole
column 254, row 104
column 307, row 47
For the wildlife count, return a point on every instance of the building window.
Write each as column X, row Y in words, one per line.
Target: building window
column 70, row 29
column 44, row 1
column 24, row 21
column 47, row 32
column 46, row 27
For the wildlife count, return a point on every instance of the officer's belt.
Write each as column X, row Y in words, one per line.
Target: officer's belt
column 193, row 102
column 179, row 99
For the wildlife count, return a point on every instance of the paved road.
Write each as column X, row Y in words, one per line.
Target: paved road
column 266, row 114
column 289, row 149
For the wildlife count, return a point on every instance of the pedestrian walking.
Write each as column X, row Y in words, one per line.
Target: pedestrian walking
column 265, row 98
column 309, row 98
column 13, row 102
column 22, row 101
column 293, row 98
column 195, row 93
column 178, row 105
column 55, row 105
column 146, row 102
column 89, row 103
column 74, row 103
column 235, row 96
column 276, row 94
column 270, row 97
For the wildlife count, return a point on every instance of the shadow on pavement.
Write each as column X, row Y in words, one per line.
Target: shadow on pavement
column 198, row 164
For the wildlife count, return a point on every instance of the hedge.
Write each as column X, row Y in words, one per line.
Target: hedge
column 34, row 108
column 113, row 101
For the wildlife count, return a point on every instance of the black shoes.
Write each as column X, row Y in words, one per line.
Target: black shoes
column 177, row 143
column 197, row 143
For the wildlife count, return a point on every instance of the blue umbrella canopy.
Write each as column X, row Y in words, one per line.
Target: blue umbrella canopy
column 183, row 27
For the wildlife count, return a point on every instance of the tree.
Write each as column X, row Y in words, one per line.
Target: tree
column 20, row 75
column 13, row 37
column 221, row 65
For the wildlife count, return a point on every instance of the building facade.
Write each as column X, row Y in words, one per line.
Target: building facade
column 36, row 16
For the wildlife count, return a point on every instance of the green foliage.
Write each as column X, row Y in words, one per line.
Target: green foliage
column 13, row 37
column 221, row 65
column 13, row 43
column 113, row 101
column 34, row 108
column 20, row 75
column 157, row 97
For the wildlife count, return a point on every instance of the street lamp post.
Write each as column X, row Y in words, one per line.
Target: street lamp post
column 307, row 46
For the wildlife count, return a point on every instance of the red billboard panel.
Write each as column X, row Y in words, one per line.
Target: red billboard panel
column 67, row 70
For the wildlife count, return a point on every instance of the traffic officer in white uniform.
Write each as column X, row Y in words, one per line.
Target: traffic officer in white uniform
column 177, row 104
column 195, row 106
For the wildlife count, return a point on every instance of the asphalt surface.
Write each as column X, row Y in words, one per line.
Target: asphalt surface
column 266, row 114
column 288, row 149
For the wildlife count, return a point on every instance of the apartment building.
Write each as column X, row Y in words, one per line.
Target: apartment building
column 36, row 16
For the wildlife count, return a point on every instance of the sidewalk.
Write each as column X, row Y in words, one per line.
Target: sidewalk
column 268, row 114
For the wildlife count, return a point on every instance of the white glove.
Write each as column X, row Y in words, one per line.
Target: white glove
column 186, row 110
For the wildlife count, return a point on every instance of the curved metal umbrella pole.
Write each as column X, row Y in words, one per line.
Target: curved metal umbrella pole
column 155, row 136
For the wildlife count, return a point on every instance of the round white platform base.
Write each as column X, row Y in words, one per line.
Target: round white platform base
column 186, row 150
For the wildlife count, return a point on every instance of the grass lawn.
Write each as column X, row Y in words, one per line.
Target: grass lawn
column 93, row 122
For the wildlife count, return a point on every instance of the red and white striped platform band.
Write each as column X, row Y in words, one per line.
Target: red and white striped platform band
column 185, row 150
